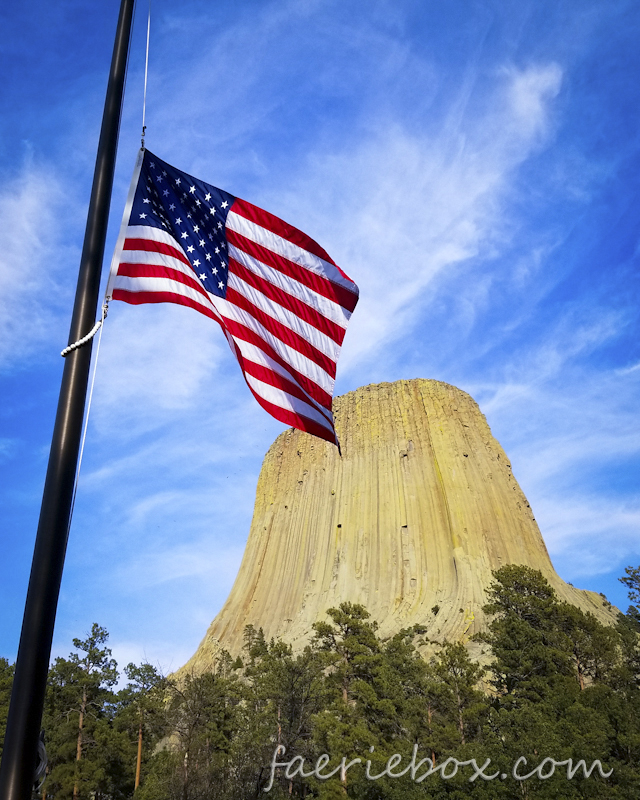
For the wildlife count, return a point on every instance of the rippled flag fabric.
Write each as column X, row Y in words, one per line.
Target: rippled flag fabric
column 281, row 301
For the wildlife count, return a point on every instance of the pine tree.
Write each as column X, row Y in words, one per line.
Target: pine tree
column 77, row 716
column 140, row 710
column 6, row 682
column 556, row 674
column 531, row 652
column 202, row 715
column 366, row 699
column 458, row 698
column 632, row 581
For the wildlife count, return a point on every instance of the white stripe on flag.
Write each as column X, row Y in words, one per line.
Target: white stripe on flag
column 278, row 397
column 299, row 362
column 257, row 356
column 154, row 235
column 285, row 317
column 325, row 307
column 136, row 285
column 156, row 259
column 285, row 248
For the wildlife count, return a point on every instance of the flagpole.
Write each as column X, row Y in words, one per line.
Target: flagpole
column 32, row 665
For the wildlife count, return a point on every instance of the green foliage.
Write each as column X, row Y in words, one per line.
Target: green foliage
column 563, row 687
column 140, row 713
column 78, row 712
column 6, row 682
column 91, row 733
column 632, row 581
column 560, row 685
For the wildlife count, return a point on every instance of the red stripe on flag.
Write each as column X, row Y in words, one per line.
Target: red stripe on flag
column 300, row 309
column 295, row 420
column 241, row 332
column 332, row 291
column 139, row 298
column 281, row 228
column 280, row 331
column 278, row 381
column 160, row 271
column 150, row 246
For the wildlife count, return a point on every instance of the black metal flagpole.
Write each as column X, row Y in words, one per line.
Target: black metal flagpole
column 32, row 665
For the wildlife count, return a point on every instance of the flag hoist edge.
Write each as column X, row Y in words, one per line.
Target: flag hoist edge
column 281, row 301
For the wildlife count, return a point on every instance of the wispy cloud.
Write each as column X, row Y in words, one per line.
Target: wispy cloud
column 629, row 370
column 154, row 360
column 590, row 535
column 7, row 448
column 570, row 429
column 31, row 254
column 441, row 168
column 401, row 209
column 180, row 561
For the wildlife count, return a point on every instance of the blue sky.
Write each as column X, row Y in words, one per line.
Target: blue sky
column 473, row 166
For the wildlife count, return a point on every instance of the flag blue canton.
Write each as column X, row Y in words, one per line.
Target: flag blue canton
column 191, row 211
column 281, row 301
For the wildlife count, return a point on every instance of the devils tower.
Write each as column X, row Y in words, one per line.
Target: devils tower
column 409, row 522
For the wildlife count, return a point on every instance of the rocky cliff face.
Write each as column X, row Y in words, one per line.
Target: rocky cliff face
column 416, row 514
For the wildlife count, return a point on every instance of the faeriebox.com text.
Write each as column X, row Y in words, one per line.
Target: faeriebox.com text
column 419, row 770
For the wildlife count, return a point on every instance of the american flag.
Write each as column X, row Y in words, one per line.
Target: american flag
column 281, row 301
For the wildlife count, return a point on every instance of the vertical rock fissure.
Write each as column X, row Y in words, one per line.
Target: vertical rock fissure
column 427, row 508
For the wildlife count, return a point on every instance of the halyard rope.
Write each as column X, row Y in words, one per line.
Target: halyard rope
column 96, row 327
column 105, row 305
column 146, row 71
column 89, row 336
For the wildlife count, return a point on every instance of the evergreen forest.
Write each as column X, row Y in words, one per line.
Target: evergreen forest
column 359, row 716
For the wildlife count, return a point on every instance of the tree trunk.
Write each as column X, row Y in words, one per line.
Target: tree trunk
column 185, row 782
column 460, row 720
column 580, row 673
column 279, row 726
column 429, row 715
column 139, row 759
column 83, row 708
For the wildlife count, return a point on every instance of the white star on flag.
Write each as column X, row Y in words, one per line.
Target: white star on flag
column 282, row 302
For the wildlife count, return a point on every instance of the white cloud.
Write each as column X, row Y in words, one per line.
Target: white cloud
column 31, row 253
column 200, row 560
column 570, row 430
column 528, row 94
column 153, row 361
column 589, row 535
column 402, row 209
column 629, row 370
column 7, row 448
